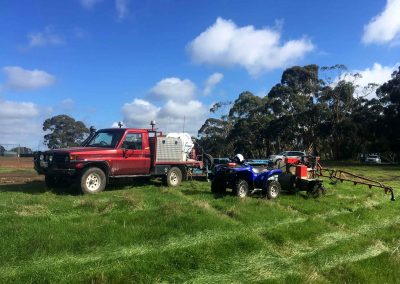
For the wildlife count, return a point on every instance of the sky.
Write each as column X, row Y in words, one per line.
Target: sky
column 104, row 61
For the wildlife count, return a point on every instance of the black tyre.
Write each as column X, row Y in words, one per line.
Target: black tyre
column 272, row 190
column 241, row 188
column 208, row 161
column 317, row 190
column 51, row 181
column 93, row 180
column 174, row 177
column 218, row 185
column 185, row 174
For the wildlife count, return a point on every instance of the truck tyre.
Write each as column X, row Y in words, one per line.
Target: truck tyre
column 174, row 177
column 185, row 173
column 272, row 190
column 218, row 185
column 241, row 188
column 51, row 181
column 93, row 180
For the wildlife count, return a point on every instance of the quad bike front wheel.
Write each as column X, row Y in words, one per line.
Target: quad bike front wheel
column 241, row 188
column 272, row 190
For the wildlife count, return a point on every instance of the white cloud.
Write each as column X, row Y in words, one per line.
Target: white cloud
column 377, row 74
column 172, row 117
column 139, row 113
column 17, row 110
column 122, row 8
column 385, row 27
column 44, row 38
column 257, row 50
column 178, row 107
column 190, row 109
column 211, row 82
column 20, row 123
column 23, row 79
column 173, row 89
column 89, row 4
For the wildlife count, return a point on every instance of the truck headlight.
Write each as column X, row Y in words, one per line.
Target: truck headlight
column 41, row 157
column 50, row 158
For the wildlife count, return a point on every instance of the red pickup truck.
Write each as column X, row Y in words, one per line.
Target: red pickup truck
column 117, row 153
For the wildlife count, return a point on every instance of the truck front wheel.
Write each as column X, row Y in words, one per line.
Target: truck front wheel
column 93, row 180
column 174, row 177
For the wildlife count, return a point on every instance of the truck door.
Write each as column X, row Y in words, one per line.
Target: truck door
column 135, row 155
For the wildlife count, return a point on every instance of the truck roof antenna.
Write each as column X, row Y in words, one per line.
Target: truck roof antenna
column 152, row 123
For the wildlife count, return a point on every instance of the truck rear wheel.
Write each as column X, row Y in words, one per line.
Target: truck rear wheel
column 93, row 180
column 174, row 177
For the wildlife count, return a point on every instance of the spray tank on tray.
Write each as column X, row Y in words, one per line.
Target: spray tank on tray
column 187, row 143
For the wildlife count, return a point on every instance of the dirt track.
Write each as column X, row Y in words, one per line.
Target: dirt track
column 17, row 170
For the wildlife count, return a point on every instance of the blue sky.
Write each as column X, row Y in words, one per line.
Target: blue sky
column 103, row 61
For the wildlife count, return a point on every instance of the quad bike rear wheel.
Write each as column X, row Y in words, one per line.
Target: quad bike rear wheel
column 218, row 185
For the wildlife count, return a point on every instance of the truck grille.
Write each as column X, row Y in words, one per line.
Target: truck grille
column 59, row 159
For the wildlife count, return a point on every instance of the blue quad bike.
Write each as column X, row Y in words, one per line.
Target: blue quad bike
column 246, row 180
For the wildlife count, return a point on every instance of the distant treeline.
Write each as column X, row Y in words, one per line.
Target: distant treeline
column 317, row 109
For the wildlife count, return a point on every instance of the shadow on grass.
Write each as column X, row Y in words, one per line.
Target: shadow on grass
column 119, row 184
column 194, row 192
column 36, row 187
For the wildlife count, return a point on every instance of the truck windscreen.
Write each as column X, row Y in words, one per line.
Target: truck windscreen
column 105, row 139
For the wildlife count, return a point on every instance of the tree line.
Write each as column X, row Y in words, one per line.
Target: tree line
column 321, row 110
column 318, row 109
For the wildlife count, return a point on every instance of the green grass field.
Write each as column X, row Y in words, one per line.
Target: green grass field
column 149, row 233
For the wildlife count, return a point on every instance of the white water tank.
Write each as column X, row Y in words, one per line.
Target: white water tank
column 187, row 143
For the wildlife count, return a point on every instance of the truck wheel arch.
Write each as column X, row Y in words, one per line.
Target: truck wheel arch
column 101, row 165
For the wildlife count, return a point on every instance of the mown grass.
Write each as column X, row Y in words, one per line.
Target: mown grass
column 149, row 233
